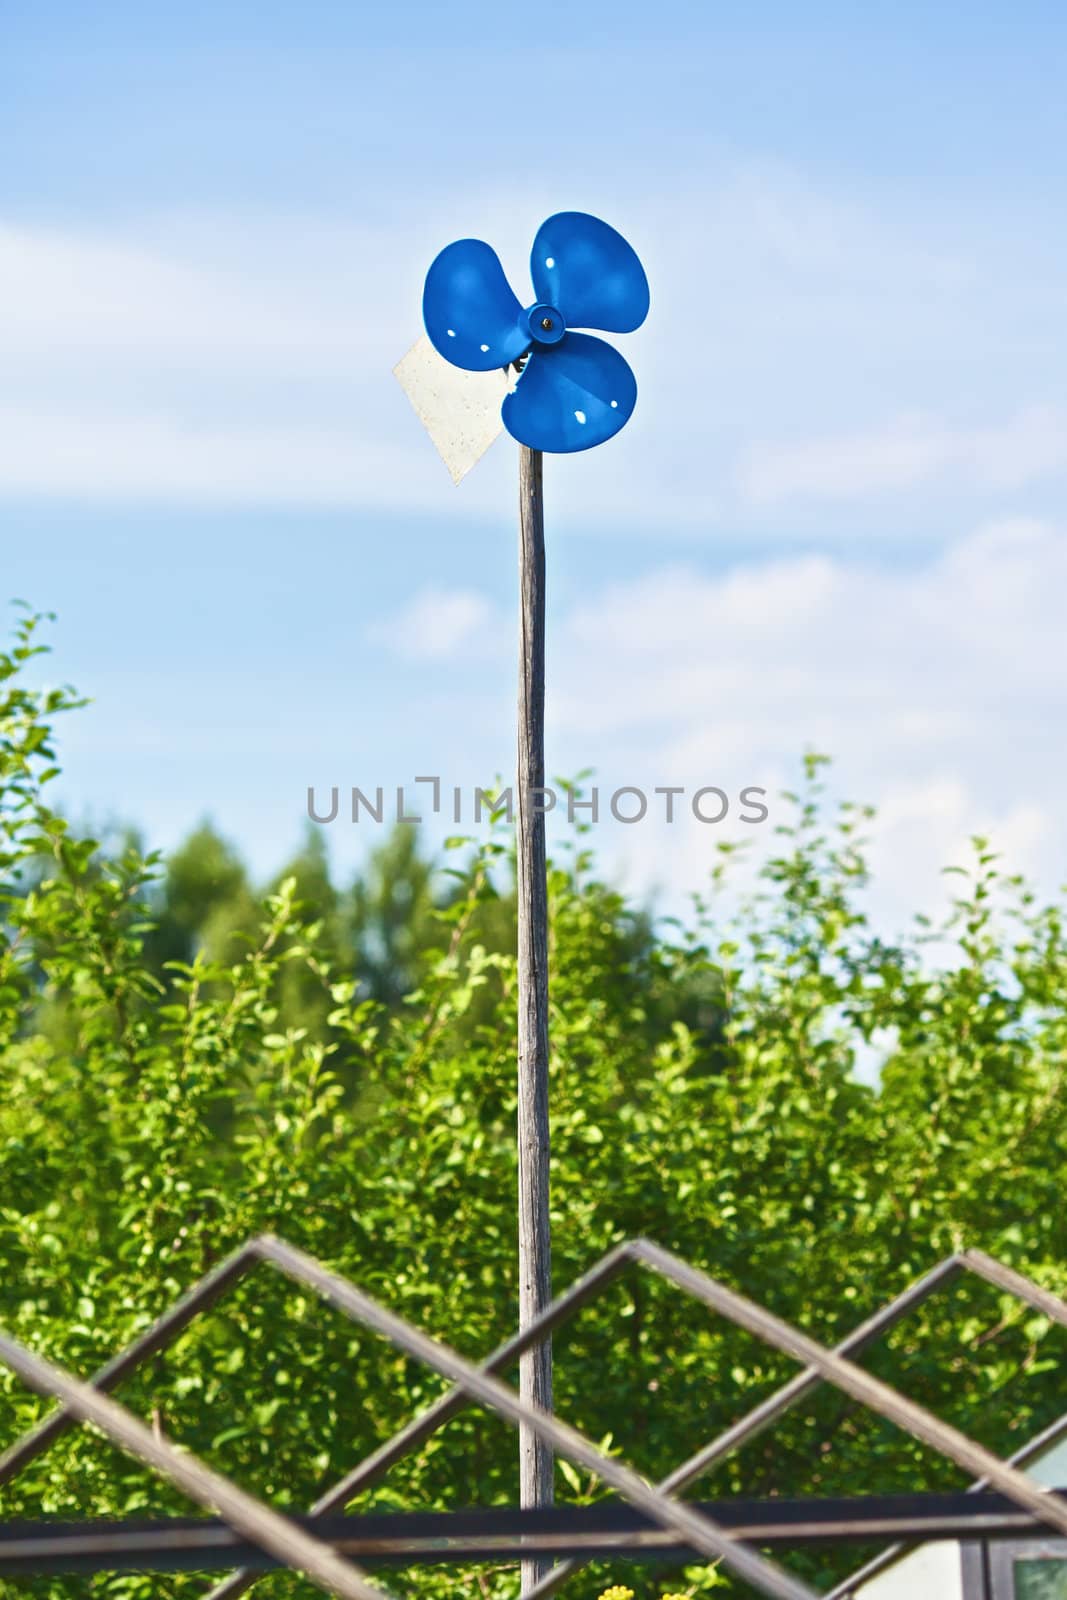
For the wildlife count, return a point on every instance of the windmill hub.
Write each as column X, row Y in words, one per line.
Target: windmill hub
column 545, row 324
column 576, row 389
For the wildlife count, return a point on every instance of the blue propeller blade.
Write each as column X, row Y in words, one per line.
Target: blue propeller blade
column 571, row 396
column 470, row 313
column 589, row 273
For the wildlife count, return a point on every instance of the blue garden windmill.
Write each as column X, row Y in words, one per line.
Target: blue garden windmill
column 575, row 390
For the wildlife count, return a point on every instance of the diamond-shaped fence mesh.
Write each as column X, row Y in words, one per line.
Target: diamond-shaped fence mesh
column 647, row 1520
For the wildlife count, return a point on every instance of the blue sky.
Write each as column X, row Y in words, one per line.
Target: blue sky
column 835, row 518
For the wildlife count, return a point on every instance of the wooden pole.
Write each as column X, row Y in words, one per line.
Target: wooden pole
column 535, row 1251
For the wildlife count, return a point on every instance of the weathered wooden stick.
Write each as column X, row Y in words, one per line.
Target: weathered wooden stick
column 535, row 1250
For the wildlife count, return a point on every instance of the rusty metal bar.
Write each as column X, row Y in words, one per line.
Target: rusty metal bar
column 1032, row 1294
column 1001, row 1277
column 777, row 1404
column 162, row 1333
column 503, row 1533
column 87, row 1403
column 740, row 1433
column 706, row 1537
column 266, row 1528
column 295, row 1263
column 435, row 1416
column 869, row 1391
column 376, row 1465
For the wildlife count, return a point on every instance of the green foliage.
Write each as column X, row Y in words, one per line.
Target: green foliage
column 205, row 901
column 339, row 1069
column 391, row 918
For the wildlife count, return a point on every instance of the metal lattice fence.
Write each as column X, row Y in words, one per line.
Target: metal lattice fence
column 651, row 1521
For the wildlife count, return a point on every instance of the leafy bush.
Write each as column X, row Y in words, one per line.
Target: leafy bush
column 154, row 1115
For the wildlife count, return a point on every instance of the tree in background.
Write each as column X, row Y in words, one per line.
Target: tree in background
column 704, row 1094
column 203, row 900
column 391, row 917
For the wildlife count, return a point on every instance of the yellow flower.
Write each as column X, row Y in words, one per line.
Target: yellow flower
column 618, row 1591
column 672, row 1596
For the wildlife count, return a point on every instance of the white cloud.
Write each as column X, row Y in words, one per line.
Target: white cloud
column 236, row 358
column 906, row 453
column 934, row 688
column 929, row 823
column 181, row 460
column 189, row 304
column 233, row 365
column 439, row 625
